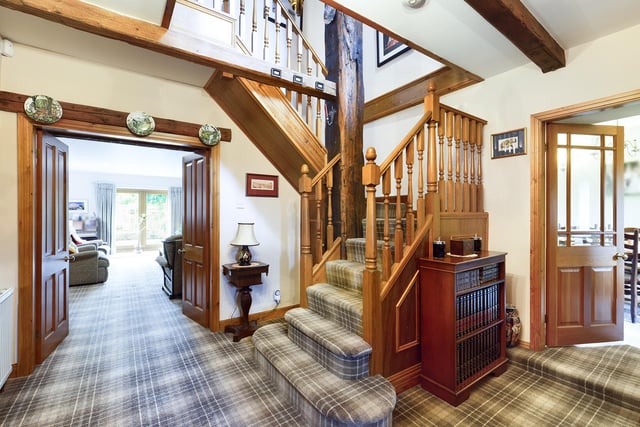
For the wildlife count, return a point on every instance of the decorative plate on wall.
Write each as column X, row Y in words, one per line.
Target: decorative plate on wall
column 209, row 135
column 42, row 109
column 140, row 123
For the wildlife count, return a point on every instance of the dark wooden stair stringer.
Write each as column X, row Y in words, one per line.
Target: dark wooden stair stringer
column 267, row 117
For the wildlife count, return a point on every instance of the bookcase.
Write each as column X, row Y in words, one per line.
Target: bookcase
column 462, row 322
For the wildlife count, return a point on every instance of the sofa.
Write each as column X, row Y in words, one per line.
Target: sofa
column 88, row 265
column 76, row 239
column 170, row 261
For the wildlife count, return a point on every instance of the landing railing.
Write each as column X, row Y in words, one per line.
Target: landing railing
column 262, row 29
column 460, row 181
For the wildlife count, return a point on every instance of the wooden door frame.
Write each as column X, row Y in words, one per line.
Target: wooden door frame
column 538, row 270
column 26, row 132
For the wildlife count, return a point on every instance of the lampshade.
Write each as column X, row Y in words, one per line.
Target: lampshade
column 245, row 235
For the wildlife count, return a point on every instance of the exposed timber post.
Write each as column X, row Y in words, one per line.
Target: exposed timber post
column 343, row 44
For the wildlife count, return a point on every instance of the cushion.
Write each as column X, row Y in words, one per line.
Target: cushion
column 72, row 248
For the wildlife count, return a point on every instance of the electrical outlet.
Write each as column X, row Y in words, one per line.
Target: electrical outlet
column 276, row 296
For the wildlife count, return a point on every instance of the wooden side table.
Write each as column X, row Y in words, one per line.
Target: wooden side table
column 243, row 277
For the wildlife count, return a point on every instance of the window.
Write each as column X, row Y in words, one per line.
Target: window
column 142, row 219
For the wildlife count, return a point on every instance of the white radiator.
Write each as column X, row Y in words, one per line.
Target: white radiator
column 6, row 336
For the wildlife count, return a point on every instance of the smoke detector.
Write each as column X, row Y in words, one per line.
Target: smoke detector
column 414, row 4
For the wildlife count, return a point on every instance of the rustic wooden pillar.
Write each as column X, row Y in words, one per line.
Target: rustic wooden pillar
column 343, row 47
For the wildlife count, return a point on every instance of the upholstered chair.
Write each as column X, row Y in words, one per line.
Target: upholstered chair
column 88, row 265
column 170, row 260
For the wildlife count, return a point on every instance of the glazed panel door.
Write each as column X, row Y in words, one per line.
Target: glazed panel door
column 585, row 234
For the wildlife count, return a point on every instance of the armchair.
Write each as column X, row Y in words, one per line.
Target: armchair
column 88, row 265
column 170, row 260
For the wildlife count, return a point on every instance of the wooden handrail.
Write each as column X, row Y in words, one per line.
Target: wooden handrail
column 278, row 39
column 386, row 164
column 325, row 170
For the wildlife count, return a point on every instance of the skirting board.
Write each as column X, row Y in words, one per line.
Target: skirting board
column 263, row 316
column 406, row 379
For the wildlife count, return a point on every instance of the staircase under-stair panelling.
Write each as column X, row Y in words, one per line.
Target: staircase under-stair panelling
column 266, row 116
column 319, row 359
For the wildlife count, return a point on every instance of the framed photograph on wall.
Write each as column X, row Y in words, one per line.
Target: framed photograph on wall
column 511, row 143
column 388, row 48
column 262, row 185
column 77, row 206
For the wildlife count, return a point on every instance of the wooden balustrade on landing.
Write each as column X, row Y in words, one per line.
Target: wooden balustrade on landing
column 266, row 30
column 460, row 164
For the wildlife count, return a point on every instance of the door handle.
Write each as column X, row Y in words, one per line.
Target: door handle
column 69, row 258
column 619, row 255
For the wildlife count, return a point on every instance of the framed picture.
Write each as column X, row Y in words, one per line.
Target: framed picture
column 262, row 185
column 511, row 143
column 77, row 206
column 388, row 48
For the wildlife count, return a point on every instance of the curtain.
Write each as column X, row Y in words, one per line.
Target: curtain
column 105, row 205
column 176, row 209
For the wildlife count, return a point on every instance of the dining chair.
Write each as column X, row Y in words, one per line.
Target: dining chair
column 631, row 275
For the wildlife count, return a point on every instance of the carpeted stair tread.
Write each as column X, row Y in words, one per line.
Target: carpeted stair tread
column 345, row 274
column 611, row 373
column 342, row 306
column 343, row 353
column 321, row 396
column 356, row 250
column 380, row 227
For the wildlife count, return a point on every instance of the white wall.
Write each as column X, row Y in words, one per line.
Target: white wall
column 594, row 70
column 34, row 71
column 401, row 70
column 8, row 216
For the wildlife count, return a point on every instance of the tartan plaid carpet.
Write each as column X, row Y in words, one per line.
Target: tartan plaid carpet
column 132, row 359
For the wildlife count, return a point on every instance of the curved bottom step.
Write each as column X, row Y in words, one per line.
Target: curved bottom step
column 323, row 398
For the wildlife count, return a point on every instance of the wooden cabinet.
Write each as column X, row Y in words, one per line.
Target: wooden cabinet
column 462, row 321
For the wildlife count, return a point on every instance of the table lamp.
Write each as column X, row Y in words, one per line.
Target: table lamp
column 244, row 238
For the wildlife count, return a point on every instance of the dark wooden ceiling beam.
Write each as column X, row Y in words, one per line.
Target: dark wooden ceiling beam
column 92, row 19
column 517, row 24
column 168, row 13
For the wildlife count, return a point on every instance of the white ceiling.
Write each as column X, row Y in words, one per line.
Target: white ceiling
column 101, row 157
column 454, row 31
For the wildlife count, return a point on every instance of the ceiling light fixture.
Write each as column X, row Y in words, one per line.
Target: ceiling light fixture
column 632, row 147
column 414, row 4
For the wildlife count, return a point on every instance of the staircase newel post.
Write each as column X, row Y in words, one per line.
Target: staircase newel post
column 371, row 310
column 306, row 257
column 432, row 102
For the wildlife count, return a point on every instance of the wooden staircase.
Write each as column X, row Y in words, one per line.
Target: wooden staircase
column 428, row 187
column 269, row 119
column 355, row 340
